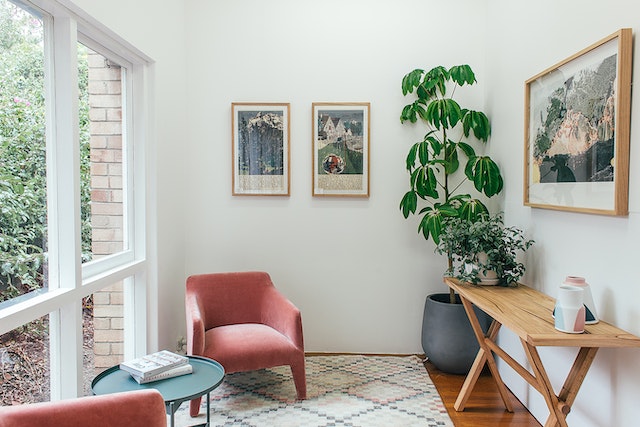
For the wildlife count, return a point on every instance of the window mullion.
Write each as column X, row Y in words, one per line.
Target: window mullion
column 143, row 297
column 64, row 196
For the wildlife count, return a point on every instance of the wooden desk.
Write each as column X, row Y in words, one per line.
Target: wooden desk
column 528, row 313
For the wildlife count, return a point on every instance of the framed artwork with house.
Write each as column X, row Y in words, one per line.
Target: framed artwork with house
column 577, row 130
column 260, row 149
column 340, row 164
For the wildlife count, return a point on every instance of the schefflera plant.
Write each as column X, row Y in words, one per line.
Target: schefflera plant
column 448, row 144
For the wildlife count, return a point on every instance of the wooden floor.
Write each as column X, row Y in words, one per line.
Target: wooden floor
column 484, row 408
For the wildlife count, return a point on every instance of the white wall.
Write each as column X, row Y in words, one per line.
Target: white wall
column 523, row 40
column 355, row 267
column 159, row 33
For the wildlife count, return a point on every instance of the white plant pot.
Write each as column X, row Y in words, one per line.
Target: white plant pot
column 490, row 278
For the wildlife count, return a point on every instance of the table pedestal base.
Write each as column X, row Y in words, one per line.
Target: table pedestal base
column 172, row 408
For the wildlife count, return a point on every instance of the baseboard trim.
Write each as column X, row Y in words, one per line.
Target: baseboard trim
column 346, row 353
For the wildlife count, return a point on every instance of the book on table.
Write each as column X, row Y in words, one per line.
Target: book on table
column 173, row 372
column 153, row 364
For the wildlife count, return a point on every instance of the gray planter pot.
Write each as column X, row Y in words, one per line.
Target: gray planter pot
column 448, row 340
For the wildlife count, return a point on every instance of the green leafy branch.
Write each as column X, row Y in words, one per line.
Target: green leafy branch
column 434, row 161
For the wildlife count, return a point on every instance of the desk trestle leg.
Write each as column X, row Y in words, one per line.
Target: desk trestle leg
column 484, row 356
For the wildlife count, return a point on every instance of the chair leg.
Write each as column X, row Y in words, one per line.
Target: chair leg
column 299, row 379
column 194, row 407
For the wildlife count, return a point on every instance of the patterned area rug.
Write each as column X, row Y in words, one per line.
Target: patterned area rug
column 350, row 390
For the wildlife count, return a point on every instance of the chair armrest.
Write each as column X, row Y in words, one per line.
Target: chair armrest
column 280, row 313
column 195, row 325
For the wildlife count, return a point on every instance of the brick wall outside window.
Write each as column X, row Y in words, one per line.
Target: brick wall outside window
column 105, row 115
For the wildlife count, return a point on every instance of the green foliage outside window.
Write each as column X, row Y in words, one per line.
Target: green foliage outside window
column 23, row 193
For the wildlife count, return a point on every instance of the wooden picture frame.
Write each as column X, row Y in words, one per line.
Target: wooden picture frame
column 260, row 149
column 577, row 126
column 340, row 135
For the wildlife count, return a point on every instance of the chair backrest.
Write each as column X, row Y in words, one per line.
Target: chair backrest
column 230, row 298
column 143, row 408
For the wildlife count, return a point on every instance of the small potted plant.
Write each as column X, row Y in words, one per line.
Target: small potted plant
column 484, row 251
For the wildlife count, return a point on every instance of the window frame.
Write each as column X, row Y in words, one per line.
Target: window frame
column 69, row 280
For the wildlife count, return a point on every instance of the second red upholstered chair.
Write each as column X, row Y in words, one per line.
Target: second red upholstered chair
column 242, row 321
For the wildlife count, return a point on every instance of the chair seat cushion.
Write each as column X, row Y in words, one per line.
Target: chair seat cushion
column 249, row 346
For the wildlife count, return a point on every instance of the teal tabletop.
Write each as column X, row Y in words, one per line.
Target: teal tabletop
column 207, row 375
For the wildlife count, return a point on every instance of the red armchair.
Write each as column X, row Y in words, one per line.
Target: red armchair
column 143, row 408
column 242, row 321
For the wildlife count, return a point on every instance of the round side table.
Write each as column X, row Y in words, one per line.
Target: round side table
column 206, row 376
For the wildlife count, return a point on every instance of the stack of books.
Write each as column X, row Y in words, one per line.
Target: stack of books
column 157, row 366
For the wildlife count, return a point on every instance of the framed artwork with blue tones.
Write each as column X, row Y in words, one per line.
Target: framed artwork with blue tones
column 260, row 153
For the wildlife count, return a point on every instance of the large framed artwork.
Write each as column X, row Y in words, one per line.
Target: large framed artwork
column 340, row 165
column 577, row 124
column 260, row 134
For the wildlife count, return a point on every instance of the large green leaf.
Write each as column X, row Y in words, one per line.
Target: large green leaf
column 412, row 111
column 436, row 145
column 411, row 80
column 425, row 91
column 446, row 209
column 467, row 149
column 423, row 152
column 419, row 109
column 437, row 77
column 408, row 113
column 472, row 210
column 414, row 177
column 432, row 220
column 422, row 112
column 411, row 156
column 462, row 74
column 443, row 112
column 426, row 182
column 485, row 174
column 469, row 168
column 458, row 200
column 477, row 122
column 409, row 203
column 451, row 158
column 431, row 224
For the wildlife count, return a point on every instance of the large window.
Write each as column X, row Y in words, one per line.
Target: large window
column 72, row 233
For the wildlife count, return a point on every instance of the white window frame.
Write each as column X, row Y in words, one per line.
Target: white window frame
column 69, row 280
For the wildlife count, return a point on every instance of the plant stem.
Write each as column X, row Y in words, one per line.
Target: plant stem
column 446, row 175
column 452, row 294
